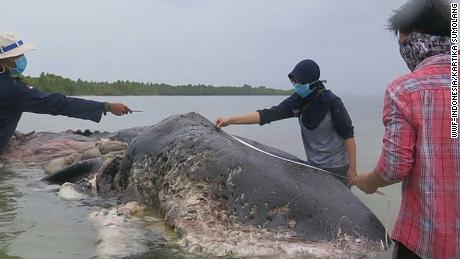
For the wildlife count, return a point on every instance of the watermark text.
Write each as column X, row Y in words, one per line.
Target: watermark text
column 454, row 70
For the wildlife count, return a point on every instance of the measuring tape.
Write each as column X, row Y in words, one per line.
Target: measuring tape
column 286, row 159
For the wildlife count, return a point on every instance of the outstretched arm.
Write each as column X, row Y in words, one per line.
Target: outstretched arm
column 248, row 118
column 282, row 111
column 29, row 99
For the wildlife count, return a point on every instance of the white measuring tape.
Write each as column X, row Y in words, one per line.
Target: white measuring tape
column 321, row 170
column 285, row 159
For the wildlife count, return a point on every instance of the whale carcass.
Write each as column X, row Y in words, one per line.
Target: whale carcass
column 225, row 197
column 222, row 196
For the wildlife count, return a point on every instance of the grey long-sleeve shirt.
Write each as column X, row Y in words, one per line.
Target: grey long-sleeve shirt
column 325, row 125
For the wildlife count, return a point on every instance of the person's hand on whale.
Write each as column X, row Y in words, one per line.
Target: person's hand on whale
column 248, row 118
column 118, row 109
column 222, row 122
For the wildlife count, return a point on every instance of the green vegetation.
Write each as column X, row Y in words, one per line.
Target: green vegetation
column 59, row 84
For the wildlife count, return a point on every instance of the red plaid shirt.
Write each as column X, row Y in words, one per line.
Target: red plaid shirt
column 417, row 149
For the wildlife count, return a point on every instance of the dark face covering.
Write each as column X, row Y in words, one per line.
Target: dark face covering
column 418, row 47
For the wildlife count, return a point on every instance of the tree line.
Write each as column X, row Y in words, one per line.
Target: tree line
column 58, row 84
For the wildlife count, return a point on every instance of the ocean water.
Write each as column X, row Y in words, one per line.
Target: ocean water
column 36, row 223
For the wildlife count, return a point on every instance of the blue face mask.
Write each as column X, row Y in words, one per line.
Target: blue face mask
column 21, row 64
column 303, row 90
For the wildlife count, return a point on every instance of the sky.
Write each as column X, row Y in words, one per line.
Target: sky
column 216, row 42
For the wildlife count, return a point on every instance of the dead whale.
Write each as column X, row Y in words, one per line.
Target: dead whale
column 220, row 196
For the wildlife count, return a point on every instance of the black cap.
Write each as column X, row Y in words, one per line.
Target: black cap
column 306, row 71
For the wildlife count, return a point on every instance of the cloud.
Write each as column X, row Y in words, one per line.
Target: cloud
column 218, row 42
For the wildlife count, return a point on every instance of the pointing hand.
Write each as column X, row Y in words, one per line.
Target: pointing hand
column 119, row 109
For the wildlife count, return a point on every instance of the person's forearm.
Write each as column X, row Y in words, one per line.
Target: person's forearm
column 378, row 181
column 248, row 118
column 350, row 146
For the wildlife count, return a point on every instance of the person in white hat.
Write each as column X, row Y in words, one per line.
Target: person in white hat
column 16, row 97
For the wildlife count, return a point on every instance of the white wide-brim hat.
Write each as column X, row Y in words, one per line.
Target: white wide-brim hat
column 12, row 46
